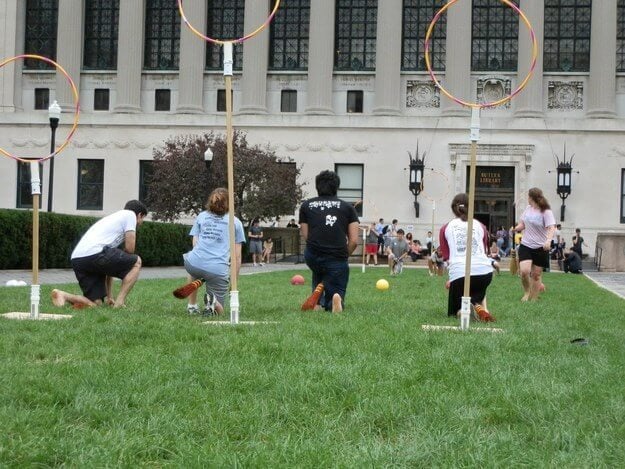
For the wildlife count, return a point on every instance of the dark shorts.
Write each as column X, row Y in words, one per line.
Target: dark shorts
column 538, row 256
column 91, row 271
column 477, row 290
column 256, row 247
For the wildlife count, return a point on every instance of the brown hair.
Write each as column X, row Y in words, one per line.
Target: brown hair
column 460, row 206
column 539, row 199
column 218, row 201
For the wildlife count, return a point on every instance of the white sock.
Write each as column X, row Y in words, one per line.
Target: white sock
column 192, row 306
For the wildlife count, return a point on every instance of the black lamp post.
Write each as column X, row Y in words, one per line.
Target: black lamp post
column 563, row 170
column 54, row 114
column 417, row 166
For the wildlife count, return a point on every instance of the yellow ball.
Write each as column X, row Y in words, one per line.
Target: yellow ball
column 381, row 284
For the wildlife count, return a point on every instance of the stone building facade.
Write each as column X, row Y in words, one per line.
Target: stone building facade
column 356, row 100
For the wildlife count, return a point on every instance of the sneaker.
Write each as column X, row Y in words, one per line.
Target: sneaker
column 261, row 264
column 193, row 310
column 479, row 313
column 255, row 264
column 209, row 301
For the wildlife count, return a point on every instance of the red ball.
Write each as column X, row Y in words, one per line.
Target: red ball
column 297, row 280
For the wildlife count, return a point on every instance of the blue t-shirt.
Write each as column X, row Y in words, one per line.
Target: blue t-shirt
column 212, row 250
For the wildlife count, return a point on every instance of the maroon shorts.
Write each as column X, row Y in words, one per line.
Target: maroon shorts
column 371, row 248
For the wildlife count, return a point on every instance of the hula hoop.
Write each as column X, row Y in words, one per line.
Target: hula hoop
column 76, row 108
column 234, row 41
column 432, row 199
column 470, row 104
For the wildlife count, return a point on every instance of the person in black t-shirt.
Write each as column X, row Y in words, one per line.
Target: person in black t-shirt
column 572, row 262
column 329, row 226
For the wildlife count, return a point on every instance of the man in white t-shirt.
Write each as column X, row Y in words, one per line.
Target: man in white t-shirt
column 97, row 258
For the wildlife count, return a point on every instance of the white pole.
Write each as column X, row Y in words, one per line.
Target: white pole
column 364, row 247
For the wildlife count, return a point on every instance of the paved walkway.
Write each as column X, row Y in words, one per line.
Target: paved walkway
column 612, row 281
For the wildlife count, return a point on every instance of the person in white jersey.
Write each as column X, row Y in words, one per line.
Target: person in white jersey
column 210, row 257
column 538, row 225
column 453, row 245
column 105, row 251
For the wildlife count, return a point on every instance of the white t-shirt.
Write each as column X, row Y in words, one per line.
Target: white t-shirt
column 454, row 247
column 108, row 231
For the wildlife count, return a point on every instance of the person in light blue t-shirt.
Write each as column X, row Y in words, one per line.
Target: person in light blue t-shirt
column 210, row 257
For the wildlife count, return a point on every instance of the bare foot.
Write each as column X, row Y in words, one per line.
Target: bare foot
column 119, row 305
column 525, row 298
column 58, row 297
column 337, row 306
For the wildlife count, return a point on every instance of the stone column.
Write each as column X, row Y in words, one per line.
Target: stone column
column 529, row 102
column 10, row 82
column 255, row 60
column 602, row 82
column 321, row 57
column 457, row 78
column 130, row 56
column 388, row 58
column 69, row 40
column 192, row 60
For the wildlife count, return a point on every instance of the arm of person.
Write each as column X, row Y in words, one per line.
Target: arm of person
column 520, row 227
column 550, row 231
column 130, row 240
column 108, row 283
column 194, row 241
column 352, row 237
column 442, row 242
column 303, row 230
column 238, row 256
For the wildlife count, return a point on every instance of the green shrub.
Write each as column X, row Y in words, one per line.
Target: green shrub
column 158, row 244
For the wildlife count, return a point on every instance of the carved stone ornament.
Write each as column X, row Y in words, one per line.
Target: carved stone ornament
column 565, row 95
column 422, row 94
column 491, row 89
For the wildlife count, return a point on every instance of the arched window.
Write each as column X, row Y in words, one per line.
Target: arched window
column 417, row 16
column 567, row 35
column 101, row 31
column 40, row 37
column 355, row 34
column 162, row 35
column 289, row 36
column 495, row 36
column 225, row 21
column 620, row 36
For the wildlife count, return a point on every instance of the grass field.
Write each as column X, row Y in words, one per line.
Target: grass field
column 149, row 386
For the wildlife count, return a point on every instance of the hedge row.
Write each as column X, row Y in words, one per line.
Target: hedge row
column 158, row 244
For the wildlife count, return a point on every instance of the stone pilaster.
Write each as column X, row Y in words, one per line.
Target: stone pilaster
column 458, row 59
column 10, row 82
column 321, row 57
column 529, row 103
column 388, row 90
column 192, row 60
column 69, row 41
column 255, row 60
column 602, row 83
column 130, row 56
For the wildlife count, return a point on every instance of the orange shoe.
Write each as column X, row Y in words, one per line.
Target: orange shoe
column 481, row 314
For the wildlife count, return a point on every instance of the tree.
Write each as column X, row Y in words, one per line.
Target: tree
column 264, row 184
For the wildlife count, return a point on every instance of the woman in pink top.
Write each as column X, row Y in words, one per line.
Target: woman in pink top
column 538, row 225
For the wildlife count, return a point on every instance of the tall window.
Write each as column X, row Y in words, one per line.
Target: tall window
column 355, row 33
column 289, row 36
column 567, row 35
column 622, row 195
column 288, row 101
column 225, row 20
column 42, row 98
column 40, row 37
column 101, row 30
column 90, row 184
column 24, row 197
column 620, row 36
column 146, row 170
column 417, row 16
column 350, row 189
column 495, row 38
column 162, row 35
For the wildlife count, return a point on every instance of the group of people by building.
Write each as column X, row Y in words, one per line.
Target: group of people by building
column 330, row 228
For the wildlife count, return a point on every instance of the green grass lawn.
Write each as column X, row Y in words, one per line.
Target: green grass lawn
column 151, row 386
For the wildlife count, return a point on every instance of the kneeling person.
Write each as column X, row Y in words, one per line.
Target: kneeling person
column 97, row 258
column 397, row 251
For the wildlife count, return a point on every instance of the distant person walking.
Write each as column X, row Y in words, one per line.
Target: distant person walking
column 329, row 227
column 255, row 235
column 538, row 226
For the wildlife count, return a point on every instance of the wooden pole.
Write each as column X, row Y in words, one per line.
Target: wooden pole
column 234, row 292
column 465, row 311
